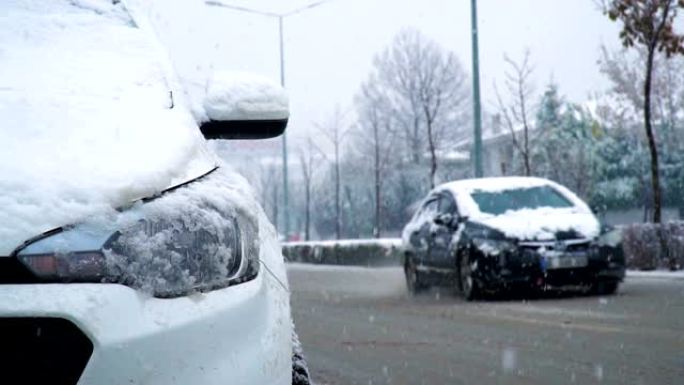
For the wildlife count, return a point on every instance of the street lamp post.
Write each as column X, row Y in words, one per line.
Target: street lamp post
column 477, row 113
column 280, row 17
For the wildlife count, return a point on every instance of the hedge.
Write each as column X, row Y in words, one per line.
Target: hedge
column 361, row 252
column 650, row 246
column 644, row 249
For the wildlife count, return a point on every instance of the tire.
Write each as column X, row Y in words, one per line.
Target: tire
column 300, row 373
column 300, row 370
column 413, row 281
column 470, row 288
column 604, row 287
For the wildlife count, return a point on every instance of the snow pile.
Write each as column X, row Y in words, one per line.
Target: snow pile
column 90, row 117
column 242, row 96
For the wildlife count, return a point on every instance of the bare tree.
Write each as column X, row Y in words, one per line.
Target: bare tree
column 334, row 131
column 650, row 24
column 309, row 158
column 269, row 191
column 627, row 83
column 517, row 110
column 426, row 90
column 374, row 140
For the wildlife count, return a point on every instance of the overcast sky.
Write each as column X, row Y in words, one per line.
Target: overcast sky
column 329, row 49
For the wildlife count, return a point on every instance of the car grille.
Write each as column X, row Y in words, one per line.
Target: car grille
column 569, row 245
column 42, row 351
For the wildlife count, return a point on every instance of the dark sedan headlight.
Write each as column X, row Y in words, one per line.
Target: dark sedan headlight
column 194, row 251
column 610, row 237
column 493, row 247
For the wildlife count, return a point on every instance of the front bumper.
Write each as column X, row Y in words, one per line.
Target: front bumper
column 528, row 267
column 238, row 335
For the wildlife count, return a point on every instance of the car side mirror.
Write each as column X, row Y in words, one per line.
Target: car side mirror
column 446, row 219
column 244, row 106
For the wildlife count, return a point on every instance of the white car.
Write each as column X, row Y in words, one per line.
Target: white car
column 129, row 254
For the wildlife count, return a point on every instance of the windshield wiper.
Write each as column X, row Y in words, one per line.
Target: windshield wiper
column 172, row 188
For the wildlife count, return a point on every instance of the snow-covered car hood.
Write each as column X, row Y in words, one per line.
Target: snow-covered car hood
column 543, row 224
column 90, row 117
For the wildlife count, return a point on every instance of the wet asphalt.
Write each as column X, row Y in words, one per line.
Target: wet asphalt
column 359, row 326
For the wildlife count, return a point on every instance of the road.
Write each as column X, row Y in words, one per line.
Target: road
column 358, row 326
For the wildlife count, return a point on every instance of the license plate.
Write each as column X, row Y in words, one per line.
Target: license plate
column 566, row 262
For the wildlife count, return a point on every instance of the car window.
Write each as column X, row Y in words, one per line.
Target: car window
column 499, row 202
column 447, row 205
column 430, row 208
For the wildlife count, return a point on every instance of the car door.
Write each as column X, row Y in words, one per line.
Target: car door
column 440, row 234
column 420, row 234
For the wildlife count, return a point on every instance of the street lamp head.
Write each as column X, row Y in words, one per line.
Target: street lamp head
column 306, row 7
column 223, row 4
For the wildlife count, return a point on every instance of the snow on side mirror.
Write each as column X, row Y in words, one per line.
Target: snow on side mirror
column 244, row 106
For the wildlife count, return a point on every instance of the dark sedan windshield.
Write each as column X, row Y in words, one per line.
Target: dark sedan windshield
column 517, row 199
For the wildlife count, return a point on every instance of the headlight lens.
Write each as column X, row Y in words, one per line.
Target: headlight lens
column 493, row 247
column 612, row 237
column 82, row 266
column 166, row 257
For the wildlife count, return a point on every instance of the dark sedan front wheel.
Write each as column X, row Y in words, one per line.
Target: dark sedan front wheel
column 604, row 288
column 414, row 283
column 469, row 286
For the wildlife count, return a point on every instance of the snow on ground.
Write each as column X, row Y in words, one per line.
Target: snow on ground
column 332, row 268
column 385, row 242
column 656, row 274
column 540, row 309
column 89, row 118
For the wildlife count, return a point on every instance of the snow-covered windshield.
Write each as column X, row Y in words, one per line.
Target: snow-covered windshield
column 90, row 117
column 500, row 202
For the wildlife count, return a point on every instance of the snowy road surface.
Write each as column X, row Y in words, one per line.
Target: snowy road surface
column 358, row 327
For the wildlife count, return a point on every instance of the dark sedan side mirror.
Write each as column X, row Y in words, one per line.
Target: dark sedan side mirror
column 446, row 219
column 244, row 106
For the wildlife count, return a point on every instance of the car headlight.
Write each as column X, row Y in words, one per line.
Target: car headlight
column 193, row 251
column 493, row 247
column 611, row 237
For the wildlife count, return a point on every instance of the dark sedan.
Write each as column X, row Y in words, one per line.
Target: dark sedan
column 497, row 234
